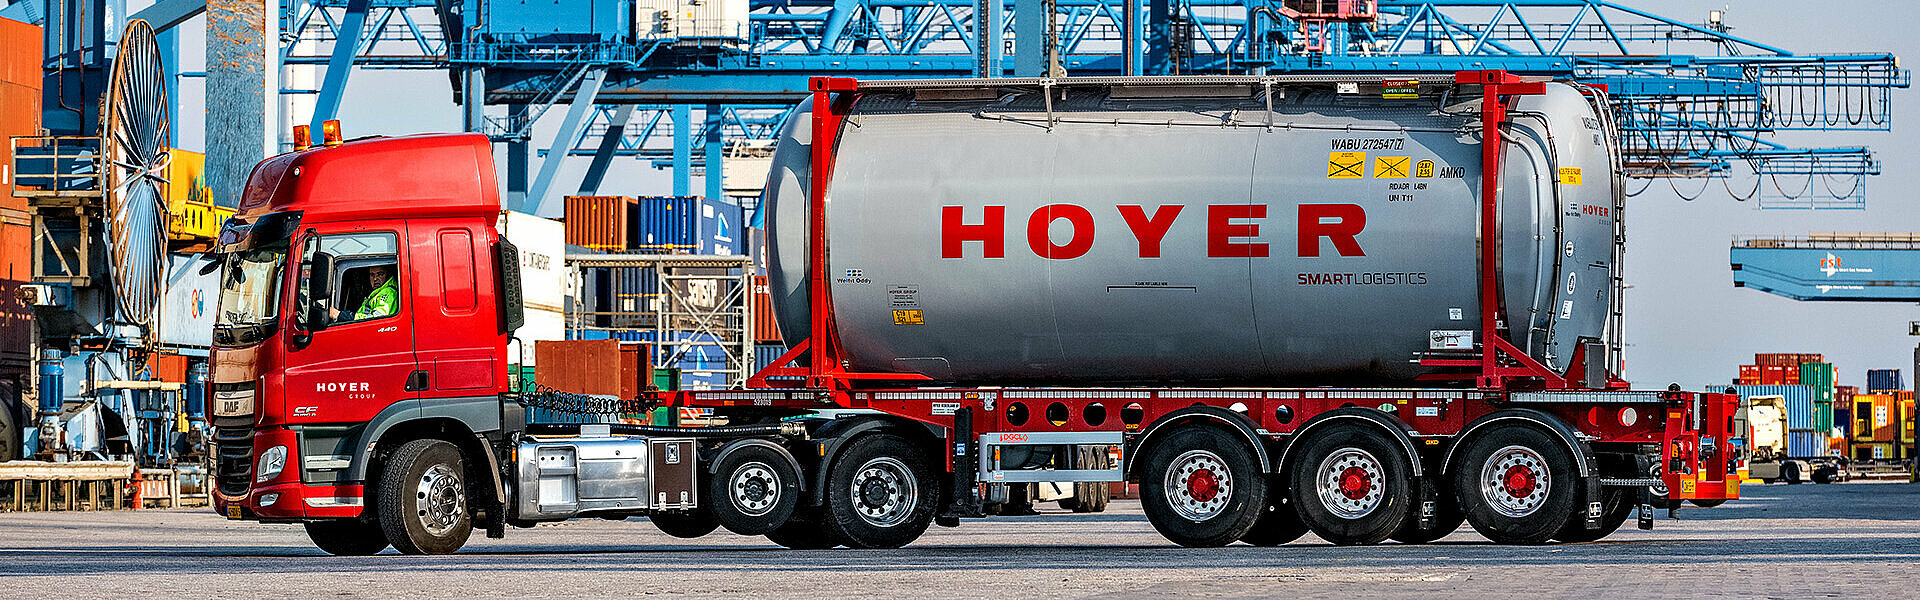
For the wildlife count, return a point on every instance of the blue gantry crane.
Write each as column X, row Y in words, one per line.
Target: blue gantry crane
column 1853, row 267
column 1695, row 100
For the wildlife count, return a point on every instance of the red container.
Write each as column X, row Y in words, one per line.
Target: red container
column 1750, row 375
column 1792, row 375
column 602, row 367
column 598, row 222
column 1773, row 375
column 765, row 329
column 20, row 74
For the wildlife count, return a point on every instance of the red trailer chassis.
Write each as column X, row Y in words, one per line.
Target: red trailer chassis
column 1687, row 430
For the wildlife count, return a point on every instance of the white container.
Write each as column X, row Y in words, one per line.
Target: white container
column 186, row 309
column 543, row 270
column 723, row 21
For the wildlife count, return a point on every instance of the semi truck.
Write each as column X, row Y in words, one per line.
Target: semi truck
column 1369, row 309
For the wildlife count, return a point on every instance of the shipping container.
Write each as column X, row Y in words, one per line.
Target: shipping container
column 186, row 309
column 597, row 222
column 20, row 76
column 695, row 355
column 1806, row 444
column 1905, row 400
column 1885, row 380
column 544, row 281
column 685, row 225
column 1749, row 375
column 1786, row 359
column 607, row 368
column 765, row 354
column 1791, row 376
column 1875, row 418
column 1875, row 450
column 1798, row 401
column 765, row 329
column 1773, row 375
column 1823, row 416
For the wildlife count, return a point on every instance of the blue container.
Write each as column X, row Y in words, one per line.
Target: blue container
column 1885, row 380
column 1799, row 401
column 765, row 354
column 685, row 225
column 1806, row 444
column 556, row 21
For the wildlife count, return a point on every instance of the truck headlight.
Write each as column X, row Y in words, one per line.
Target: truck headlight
column 272, row 462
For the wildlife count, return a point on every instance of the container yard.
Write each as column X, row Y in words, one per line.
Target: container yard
column 720, row 291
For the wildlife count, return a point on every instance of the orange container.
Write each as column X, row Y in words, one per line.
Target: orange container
column 602, row 367
column 1749, row 374
column 20, row 63
column 765, row 329
column 1876, row 418
column 597, row 222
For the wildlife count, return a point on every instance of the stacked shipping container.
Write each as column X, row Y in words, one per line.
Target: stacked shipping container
column 1803, row 441
column 20, row 65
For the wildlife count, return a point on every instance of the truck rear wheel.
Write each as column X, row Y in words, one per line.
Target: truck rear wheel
column 1201, row 487
column 754, row 490
column 1516, row 485
column 1616, row 505
column 879, row 493
column 347, row 537
column 1351, row 485
column 685, row 524
column 1447, row 518
column 1278, row 524
column 423, row 498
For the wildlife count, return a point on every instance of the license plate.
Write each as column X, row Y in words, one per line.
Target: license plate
column 233, row 512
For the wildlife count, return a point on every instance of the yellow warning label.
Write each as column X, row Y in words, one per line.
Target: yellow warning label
column 1686, row 487
column 1390, row 167
column 1346, row 165
column 1423, row 169
column 1569, row 175
column 1733, row 488
column 909, row 317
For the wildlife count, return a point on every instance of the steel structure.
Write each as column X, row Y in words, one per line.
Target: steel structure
column 1859, row 267
column 1694, row 100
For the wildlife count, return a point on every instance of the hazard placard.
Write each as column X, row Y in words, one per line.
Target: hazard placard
column 1423, row 169
column 909, row 317
column 1390, row 167
column 1346, row 165
column 1569, row 175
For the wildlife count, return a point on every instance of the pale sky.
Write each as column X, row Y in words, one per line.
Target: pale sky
column 1686, row 323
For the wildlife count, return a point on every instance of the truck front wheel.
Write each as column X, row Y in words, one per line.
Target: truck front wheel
column 879, row 493
column 423, row 498
column 347, row 537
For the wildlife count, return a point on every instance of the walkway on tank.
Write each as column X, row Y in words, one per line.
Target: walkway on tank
column 1853, row 540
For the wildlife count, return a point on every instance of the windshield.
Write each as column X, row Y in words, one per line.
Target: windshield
column 249, row 297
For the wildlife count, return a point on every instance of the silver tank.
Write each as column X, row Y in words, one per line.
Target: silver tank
column 1075, row 296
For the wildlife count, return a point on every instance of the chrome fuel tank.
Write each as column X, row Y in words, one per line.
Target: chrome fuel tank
column 1144, row 232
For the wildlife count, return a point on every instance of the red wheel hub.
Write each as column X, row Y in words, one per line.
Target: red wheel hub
column 1203, row 486
column 1519, row 481
column 1355, row 483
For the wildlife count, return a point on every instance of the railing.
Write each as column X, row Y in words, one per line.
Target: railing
column 52, row 166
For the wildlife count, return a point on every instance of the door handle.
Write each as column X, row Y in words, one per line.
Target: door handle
column 417, row 381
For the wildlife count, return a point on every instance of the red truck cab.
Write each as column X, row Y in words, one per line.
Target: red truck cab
column 310, row 372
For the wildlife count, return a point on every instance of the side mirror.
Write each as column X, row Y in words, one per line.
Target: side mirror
column 319, row 287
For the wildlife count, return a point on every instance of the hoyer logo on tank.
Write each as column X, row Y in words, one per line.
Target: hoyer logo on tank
column 1230, row 229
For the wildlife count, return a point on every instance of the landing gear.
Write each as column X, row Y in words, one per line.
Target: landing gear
column 1516, row 485
column 423, row 498
column 1351, row 486
column 1201, row 487
column 879, row 493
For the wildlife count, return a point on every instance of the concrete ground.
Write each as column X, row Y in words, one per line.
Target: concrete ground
column 1858, row 540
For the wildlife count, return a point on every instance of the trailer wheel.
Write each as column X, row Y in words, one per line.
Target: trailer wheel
column 1447, row 518
column 1350, row 485
column 754, row 490
column 804, row 531
column 423, row 498
column 685, row 524
column 1201, row 487
column 347, row 537
column 1097, row 494
column 879, row 493
column 1790, row 471
column 1278, row 522
column 1616, row 505
column 1516, row 485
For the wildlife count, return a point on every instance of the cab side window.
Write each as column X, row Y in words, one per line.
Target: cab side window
column 366, row 276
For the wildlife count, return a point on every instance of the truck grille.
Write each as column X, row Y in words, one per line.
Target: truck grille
column 233, row 454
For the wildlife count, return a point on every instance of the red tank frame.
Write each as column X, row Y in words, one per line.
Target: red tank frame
column 1683, row 423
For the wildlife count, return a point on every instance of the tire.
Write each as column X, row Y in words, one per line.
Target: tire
column 1278, row 522
column 1098, row 495
column 347, row 537
column 1202, row 487
column 1616, row 505
column 1350, row 485
column 1447, row 518
column 754, row 490
column 879, row 493
column 1825, row 474
column 423, row 498
column 1790, row 471
column 1517, row 485
column 685, row 524
column 806, row 530
column 12, row 431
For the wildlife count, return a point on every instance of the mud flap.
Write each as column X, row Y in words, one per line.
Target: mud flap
column 1593, row 498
